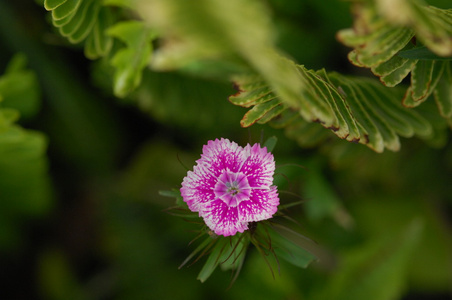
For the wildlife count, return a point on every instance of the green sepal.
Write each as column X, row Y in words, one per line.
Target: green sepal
column 228, row 252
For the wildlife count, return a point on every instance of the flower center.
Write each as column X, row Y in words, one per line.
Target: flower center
column 232, row 188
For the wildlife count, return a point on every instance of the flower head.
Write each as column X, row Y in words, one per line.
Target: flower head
column 231, row 186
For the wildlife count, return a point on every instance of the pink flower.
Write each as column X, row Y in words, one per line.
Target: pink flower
column 231, row 186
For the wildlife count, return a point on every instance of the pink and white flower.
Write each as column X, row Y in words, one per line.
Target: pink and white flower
column 231, row 186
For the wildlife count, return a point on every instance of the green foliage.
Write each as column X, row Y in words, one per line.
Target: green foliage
column 291, row 246
column 179, row 101
column 93, row 22
column 375, row 271
column 228, row 252
column 353, row 108
column 422, row 53
column 273, row 83
column 98, row 44
column 432, row 249
column 390, row 44
column 272, row 240
column 56, row 278
column 270, row 143
column 443, row 94
column 322, row 201
column 241, row 34
column 111, row 236
column 130, row 62
column 19, row 88
column 24, row 186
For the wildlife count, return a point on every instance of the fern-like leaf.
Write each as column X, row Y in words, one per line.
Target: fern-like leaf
column 362, row 110
column 443, row 92
column 92, row 22
column 384, row 39
column 98, row 44
column 82, row 20
column 52, row 4
column 241, row 34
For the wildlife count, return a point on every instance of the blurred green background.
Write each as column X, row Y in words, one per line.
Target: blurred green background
column 80, row 171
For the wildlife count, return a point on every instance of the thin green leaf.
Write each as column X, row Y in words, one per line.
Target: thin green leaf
column 270, row 143
column 323, row 201
column 234, row 253
column 213, row 259
column 185, row 213
column 290, row 246
column 198, row 249
column 171, row 194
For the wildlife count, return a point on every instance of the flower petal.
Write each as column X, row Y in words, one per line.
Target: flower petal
column 262, row 205
column 223, row 220
column 259, row 166
column 220, row 155
column 197, row 187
